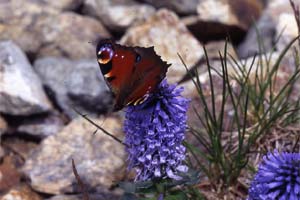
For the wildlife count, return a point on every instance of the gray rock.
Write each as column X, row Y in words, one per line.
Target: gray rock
column 40, row 27
column 42, row 126
column 185, row 7
column 64, row 4
column 69, row 35
column 78, row 84
column 99, row 159
column 264, row 31
column 285, row 24
column 21, row 91
column 169, row 36
column 117, row 15
column 221, row 19
column 18, row 21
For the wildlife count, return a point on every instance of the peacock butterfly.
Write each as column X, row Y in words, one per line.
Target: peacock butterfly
column 131, row 72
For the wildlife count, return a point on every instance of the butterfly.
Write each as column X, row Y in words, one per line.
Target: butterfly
column 132, row 73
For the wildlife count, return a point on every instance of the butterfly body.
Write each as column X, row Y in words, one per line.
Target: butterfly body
column 131, row 72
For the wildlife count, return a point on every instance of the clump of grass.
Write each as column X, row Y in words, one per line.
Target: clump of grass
column 258, row 102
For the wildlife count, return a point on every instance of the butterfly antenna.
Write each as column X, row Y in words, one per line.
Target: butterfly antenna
column 97, row 126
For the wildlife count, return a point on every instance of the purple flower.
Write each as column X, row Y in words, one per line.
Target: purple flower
column 154, row 131
column 278, row 177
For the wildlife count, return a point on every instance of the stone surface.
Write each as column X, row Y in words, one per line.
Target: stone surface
column 41, row 29
column 118, row 15
column 70, row 35
column 63, row 4
column 213, row 48
column 99, row 159
column 21, row 91
column 231, row 12
column 224, row 19
column 169, row 37
column 286, row 27
column 278, row 22
column 185, row 7
column 21, row 192
column 42, row 126
column 264, row 31
column 78, row 84
column 18, row 22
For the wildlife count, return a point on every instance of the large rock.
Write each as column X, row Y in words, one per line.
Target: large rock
column 169, row 37
column 63, row 4
column 70, row 35
column 21, row 91
column 285, row 23
column 74, row 84
column 118, row 15
column 185, row 7
column 39, row 28
column 18, row 22
column 278, row 24
column 99, row 159
column 259, row 39
column 224, row 19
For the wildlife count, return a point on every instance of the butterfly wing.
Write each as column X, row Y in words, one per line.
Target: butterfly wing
column 131, row 72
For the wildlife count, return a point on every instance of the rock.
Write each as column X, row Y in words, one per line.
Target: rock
column 42, row 126
column 286, row 27
column 22, row 192
column 78, row 84
column 184, row 7
column 18, row 22
column 21, row 92
column 70, row 35
column 264, row 31
column 98, row 158
column 91, row 197
column 169, row 37
column 118, row 15
column 64, row 4
column 42, row 30
column 232, row 19
column 213, row 48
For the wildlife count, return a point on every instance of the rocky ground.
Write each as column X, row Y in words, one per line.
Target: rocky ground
column 48, row 66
